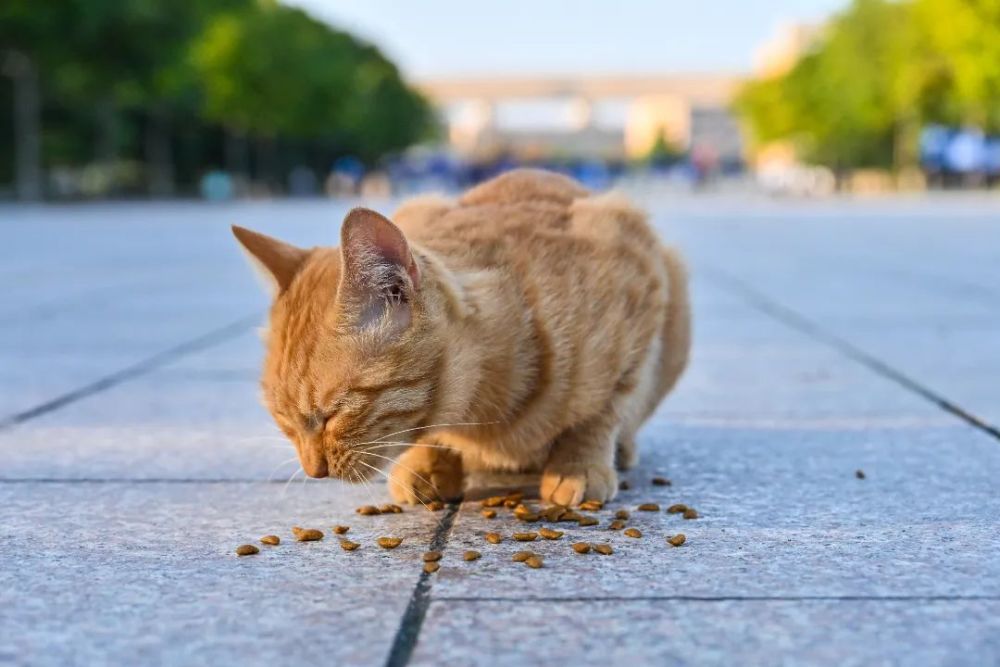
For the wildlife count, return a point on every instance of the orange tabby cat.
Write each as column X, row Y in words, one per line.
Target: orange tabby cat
column 527, row 326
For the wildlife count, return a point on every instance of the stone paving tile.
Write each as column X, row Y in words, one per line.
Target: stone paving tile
column 684, row 632
column 782, row 514
column 108, row 573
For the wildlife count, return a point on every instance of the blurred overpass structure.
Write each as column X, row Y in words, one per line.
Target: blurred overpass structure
column 610, row 117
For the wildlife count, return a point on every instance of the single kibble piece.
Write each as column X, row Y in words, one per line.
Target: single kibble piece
column 617, row 524
column 525, row 513
column 340, row 530
column 554, row 514
column 247, row 550
column 859, row 473
column 307, row 534
column 649, row 507
column 435, row 506
column 368, row 510
column 588, row 521
column 489, row 514
column 624, row 485
column 471, row 555
column 676, row 540
column 389, row 542
column 495, row 501
column 431, row 568
column 525, row 537
column 390, row 509
column 622, row 514
column 432, row 556
column 604, row 549
column 633, row 532
column 347, row 545
column 511, row 503
column 493, row 538
column 571, row 515
column 521, row 556
column 661, row 481
column 534, row 561
column 581, row 548
column 679, row 508
column 690, row 513
column 591, row 505
column 550, row 534
column 270, row 540
column 528, row 517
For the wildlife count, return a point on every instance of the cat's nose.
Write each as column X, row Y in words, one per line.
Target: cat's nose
column 314, row 462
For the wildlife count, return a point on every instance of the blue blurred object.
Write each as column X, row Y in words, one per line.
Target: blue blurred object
column 966, row 152
column 216, row 185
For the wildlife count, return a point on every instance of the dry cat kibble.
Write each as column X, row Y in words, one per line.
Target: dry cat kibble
column 432, row 556
column 347, row 545
column 550, row 534
column 624, row 485
column 432, row 567
column 521, row 556
column 307, row 534
column 588, row 521
column 622, row 514
column 535, row 561
column 649, row 507
column 859, row 473
column 389, row 542
column 690, row 513
column 571, row 515
column 489, row 514
column 368, row 510
column 525, row 537
column 617, row 524
column 661, row 481
column 604, row 549
column 435, row 506
column 493, row 538
column 270, row 540
column 676, row 540
column 390, row 509
column 633, row 532
column 247, row 550
column 677, row 509
column 471, row 555
column 495, row 501
column 591, row 505
column 581, row 548
column 340, row 530
column 554, row 514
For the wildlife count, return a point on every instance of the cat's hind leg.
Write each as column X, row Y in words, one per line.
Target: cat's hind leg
column 426, row 472
column 581, row 464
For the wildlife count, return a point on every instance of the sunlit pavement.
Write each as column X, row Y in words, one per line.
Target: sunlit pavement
column 830, row 338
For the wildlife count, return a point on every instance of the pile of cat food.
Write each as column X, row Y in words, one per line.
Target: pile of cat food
column 518, row 509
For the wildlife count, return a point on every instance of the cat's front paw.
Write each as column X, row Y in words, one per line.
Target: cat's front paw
column 571, row 484
column 421, row 475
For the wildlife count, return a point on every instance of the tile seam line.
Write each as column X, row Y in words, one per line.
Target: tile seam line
column 412, row 621
column 728, row 598
column 807, row 327
column 138, row 369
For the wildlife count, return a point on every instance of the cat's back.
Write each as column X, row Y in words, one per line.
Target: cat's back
column 529, row 216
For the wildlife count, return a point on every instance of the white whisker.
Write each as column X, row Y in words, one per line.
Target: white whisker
column 283, row 463
column 420, row 428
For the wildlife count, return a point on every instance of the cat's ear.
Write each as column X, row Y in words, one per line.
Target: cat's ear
column 276, row 261
column 380, row 275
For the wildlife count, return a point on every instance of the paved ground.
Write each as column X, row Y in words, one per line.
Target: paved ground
column 830, row 337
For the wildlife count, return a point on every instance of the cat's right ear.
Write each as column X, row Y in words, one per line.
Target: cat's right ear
column 276, row 261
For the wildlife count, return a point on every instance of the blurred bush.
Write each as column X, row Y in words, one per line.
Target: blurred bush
column 179, row 88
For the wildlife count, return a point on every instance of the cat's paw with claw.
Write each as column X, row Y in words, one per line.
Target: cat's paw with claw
column 571, row 484
column 421, row 475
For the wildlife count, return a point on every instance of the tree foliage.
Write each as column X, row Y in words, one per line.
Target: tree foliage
column 880, row 70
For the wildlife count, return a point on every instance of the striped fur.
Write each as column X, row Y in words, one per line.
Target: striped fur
column 549, row 323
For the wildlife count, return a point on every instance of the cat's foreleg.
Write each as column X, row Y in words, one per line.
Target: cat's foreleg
column 426, row 472
column 581, row 464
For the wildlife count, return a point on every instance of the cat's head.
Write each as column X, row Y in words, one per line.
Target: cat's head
column 351, row 353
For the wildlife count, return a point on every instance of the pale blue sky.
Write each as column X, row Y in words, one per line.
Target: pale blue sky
column 434, row 38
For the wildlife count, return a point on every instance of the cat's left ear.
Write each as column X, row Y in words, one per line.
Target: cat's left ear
column 380, row 275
